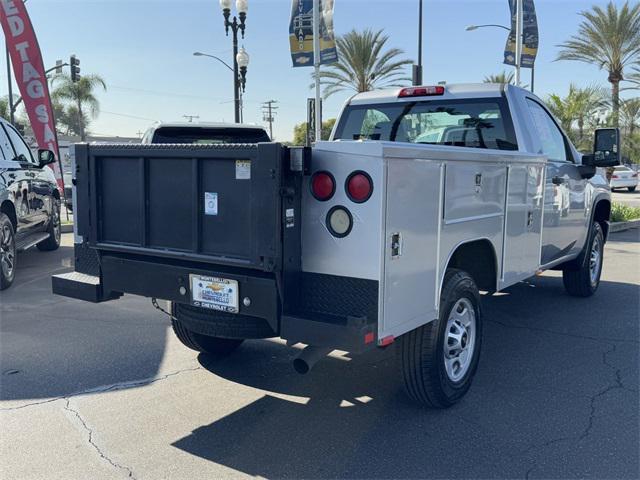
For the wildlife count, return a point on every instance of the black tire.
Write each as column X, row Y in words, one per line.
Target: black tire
column 8, row 252
column 578, row 280
column 421, row 352
column 212, row 323
column 54, row 230
column 632, row 189
column 202, row 343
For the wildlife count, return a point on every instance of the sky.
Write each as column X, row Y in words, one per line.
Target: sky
column 144, row 51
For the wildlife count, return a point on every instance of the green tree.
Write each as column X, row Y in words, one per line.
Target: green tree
column 610, row 39
column 81, row 104
column 502, row 77
column 630, row 114
column 362, row 65
column 300, row 131
column 633, row 78
column 579, row 107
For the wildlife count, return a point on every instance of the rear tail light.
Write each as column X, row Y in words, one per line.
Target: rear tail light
column 323, row 186
column 421, row 91
column 359, row 187
column 615, row 176
column 634, row 175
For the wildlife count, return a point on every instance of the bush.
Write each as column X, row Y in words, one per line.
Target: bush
column 624, row 213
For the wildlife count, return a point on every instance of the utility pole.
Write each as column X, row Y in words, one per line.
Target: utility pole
column 519, row 28
column 268, row 112
column 316, row 64
column 417, row 69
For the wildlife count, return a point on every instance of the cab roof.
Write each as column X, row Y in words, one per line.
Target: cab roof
column 451, row 92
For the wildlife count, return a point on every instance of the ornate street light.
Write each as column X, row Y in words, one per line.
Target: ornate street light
column 240, row 59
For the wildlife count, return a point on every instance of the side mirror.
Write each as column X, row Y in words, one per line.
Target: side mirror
column 606, row 148
column 45, row 157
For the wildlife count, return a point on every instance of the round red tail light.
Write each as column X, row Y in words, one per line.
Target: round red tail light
column 359, row 187
column 323, row 186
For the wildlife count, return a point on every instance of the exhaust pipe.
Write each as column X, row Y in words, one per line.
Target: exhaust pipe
column 308, row 357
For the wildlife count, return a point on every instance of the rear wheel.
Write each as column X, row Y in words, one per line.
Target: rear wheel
column 7, row 252
column 583, row 280
column 438, row 360
column 54, row 229
column 632, row 189
column 203, row 343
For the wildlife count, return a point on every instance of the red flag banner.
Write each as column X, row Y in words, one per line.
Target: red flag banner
column 30, row 77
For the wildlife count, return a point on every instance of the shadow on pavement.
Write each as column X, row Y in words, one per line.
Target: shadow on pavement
column 531, row 408
column 53, row 346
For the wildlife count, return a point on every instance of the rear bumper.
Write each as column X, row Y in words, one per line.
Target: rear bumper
column 303, row 321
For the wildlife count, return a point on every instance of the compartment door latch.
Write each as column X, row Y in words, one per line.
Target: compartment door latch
column 396, row 245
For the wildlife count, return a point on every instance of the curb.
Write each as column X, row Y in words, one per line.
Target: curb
column 66, row 228
column 622, row 226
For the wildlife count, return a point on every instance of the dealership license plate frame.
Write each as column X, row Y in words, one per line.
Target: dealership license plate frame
column 229, row 302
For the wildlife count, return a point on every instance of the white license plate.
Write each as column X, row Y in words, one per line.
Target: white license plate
column 214, row 293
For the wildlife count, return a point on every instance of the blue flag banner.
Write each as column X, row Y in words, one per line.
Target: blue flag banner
column 529, row 35
column 301, row 33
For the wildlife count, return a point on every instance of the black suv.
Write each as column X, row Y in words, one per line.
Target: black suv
column 29, row 201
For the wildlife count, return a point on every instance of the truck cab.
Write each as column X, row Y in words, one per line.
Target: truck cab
column 204, row 133
column 491, row 117
column 383, row 237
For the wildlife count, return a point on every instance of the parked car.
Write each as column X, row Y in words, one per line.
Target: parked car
column 624, row 177
column 29, row 201
column 205, row 133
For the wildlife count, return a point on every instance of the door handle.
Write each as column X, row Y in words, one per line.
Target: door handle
column 557, row 180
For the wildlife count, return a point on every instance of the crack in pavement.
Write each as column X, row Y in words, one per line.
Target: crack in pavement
column 617, row 385
column 103, row 389
column 97, row 448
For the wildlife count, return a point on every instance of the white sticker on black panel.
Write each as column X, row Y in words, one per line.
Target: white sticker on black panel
column 243, row 169
column 210, row 203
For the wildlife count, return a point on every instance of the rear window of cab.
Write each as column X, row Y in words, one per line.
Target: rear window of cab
column 474, row 123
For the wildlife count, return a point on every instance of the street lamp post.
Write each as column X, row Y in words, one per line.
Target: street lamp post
column 475, row 27
column 242, row 80
column 239, row 71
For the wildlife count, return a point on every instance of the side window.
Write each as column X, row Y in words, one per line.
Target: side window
column 551, row 138
column 5, row 146
column 23, row 152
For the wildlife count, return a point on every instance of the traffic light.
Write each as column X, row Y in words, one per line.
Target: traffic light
column 74, row 65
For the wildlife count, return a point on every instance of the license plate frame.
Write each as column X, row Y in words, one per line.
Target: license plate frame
column 214, row 293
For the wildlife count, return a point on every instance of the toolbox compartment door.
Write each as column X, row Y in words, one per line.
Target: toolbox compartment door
column 208, row 203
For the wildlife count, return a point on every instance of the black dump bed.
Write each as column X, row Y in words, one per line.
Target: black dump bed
column 220, row 204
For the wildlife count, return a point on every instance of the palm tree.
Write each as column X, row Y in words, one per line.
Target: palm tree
column 630, row 114
column 633, row 79
column 502, row 77
column 578, row 107
column 362, row 66
column 84, row 105
column 609, row 39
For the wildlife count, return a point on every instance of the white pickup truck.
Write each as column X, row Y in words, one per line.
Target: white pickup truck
column 384, row 236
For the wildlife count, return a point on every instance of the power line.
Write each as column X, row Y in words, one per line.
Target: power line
column 268, row 114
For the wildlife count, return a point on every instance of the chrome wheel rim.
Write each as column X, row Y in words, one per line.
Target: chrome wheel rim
column 595, row 261
column 7, row 251
column 460, row 339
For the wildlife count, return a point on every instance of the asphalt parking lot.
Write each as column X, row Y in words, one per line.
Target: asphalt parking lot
column 106, row 391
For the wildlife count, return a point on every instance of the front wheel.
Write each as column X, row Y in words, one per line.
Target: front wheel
column 438, row 360
column 632, row 189
column 583, row 281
